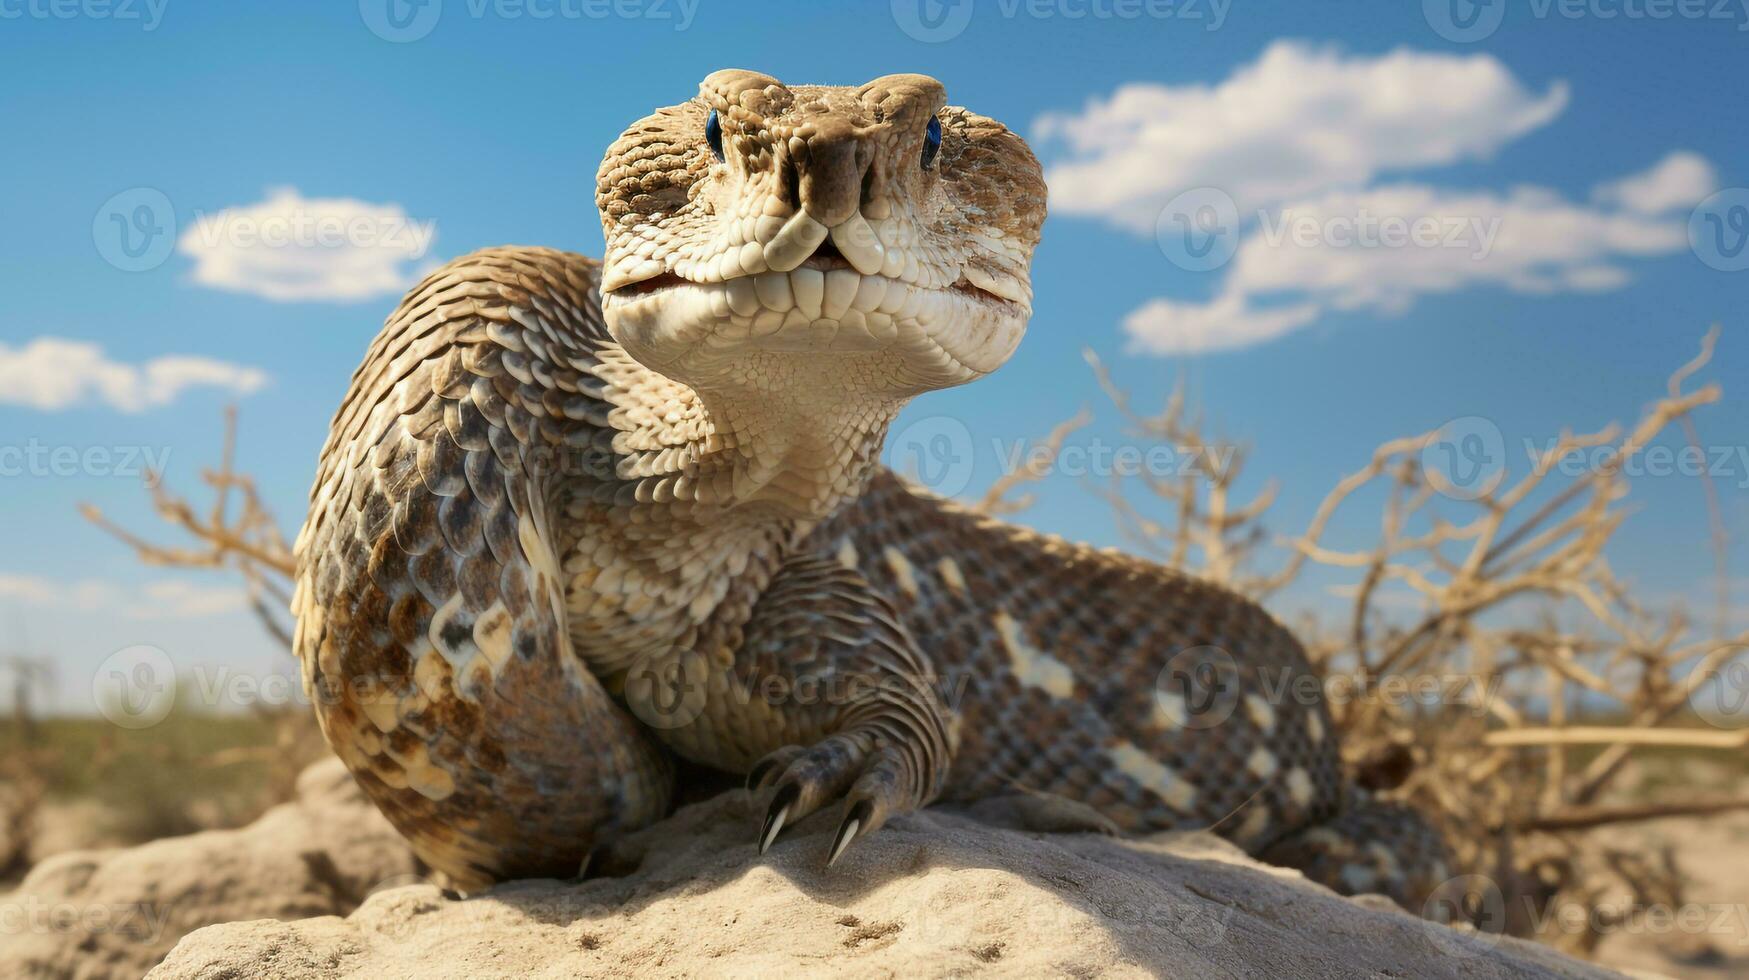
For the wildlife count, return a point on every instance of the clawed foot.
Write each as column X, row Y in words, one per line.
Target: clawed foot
column 873, row 774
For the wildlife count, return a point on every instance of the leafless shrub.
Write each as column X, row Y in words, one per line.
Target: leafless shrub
column 236, row 533
column 22, row 787
column 22, row 780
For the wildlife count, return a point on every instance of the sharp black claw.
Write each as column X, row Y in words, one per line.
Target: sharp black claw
column 776, row 815
column 761, row 769
column 853, row 823
column 582, row 874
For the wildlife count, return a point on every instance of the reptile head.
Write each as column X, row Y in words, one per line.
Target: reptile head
column 868, row 237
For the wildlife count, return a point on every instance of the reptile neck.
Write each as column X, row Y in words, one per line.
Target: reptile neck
column 786, row 440
column 800, row 455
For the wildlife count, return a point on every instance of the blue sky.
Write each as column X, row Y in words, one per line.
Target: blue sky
column 1571, row 144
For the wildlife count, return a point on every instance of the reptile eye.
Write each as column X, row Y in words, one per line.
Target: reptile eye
column 713, row 134
column 931, row 141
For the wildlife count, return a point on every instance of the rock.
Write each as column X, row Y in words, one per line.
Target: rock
column 115, row 913
column 928, row 895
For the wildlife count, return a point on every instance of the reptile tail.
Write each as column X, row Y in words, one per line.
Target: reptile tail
column 1372, row 847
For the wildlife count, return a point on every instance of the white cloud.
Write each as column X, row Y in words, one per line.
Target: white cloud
column 1299, row 122
column 51, row 373
column 158, row 600
column 1680, row 180
column 1379, row 250
column 291, row 248
column 1298, row 146
column 1162, row 326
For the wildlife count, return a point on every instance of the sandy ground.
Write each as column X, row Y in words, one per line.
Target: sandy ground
column 1710, row 937
column 932, row 894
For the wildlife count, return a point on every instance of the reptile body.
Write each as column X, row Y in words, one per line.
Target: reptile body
column 574, row 520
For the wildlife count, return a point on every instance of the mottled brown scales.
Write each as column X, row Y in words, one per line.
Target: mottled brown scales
column 576, row 519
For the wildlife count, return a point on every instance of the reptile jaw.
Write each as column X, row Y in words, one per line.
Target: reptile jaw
column 936, row 337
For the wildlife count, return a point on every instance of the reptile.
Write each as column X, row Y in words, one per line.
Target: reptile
column 579, row 525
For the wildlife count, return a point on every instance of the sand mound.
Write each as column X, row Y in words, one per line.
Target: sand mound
column 115, row 913
column 929, row 895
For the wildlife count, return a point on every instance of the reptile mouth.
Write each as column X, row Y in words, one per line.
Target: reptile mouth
column 825, row 260
column 647, row 286
column 669, row 280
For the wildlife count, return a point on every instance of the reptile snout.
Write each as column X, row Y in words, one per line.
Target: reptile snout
column 831, row 177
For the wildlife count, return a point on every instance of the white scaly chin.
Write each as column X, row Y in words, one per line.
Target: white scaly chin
column 939, row 337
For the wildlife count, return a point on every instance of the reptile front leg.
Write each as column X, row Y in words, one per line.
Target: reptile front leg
column 816, row 691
